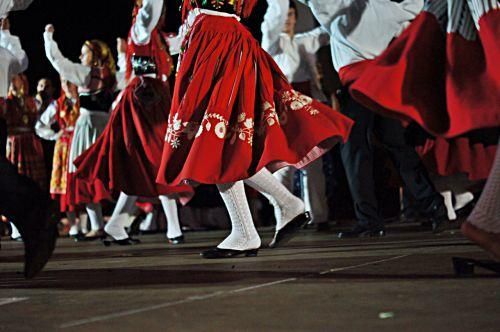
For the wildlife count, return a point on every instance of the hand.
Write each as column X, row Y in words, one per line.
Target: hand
column 49, row 28
column 121, row 45
column 5, row 24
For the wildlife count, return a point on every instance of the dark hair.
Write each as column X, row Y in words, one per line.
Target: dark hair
column 293, row 6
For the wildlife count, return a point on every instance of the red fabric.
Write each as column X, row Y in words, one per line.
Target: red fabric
column 126, row 157
column 233, row 112
column 25, row 151
column 458, row 155
column 445, row 83
column 81, row 192
column 156, row 49
column 242, row 8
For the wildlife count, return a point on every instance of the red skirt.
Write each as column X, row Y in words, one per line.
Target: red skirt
column 471, row 154
column 126, row 157
column 449, row 83
column 233, row 111
column 59, row 177
column 25, row 151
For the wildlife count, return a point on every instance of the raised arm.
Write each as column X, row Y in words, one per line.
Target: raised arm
column 73, row 72
column 43, row 126
column 273, row 24
column 146, row 20
column 13, row 45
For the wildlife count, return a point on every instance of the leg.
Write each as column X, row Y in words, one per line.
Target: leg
column 115, row 227
column 94, row 211
column 357, row 157
column 315, row 191
column 174, row 232
column 414, row 174
column 483, row 225
column 243, row 238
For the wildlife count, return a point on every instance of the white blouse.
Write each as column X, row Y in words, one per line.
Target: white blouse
column 13, row 60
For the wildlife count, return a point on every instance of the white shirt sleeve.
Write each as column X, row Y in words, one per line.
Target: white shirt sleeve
column 74, row 72
column 174, row 44
column 43, row 126
column 5, row 6
column 146, row 20
column 313, row 40
column 13, row 45
column 273, row 24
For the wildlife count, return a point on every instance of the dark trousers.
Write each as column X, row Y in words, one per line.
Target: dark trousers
column 18, row 194
column 358, row 159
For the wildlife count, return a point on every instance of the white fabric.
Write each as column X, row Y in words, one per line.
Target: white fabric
column 5, row 6
column 76, row 73
column 43, row 126
column 486, row 213
column 289, row 205
column 121, row 73
column 15, row 5
column 362, row 29
column 74, row 229
column 15, row 232
column 296, row 56
column 147, row 19
column 94, row 211
column 88, row 128
column 116, row 224
column 13, row 60
column 170, row 209
column 149, row 222
column 243, row 234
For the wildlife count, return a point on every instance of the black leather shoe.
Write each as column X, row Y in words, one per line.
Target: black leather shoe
column 124, row 242
column 285, row 234
column 438, row 218
column 216, row 253
column 39, row 234
column 176, row 240
column 359, row 231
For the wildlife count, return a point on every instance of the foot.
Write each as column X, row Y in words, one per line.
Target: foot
column 488, row 241
column 286, row 233
column 92, row 235
column 363, row 231
column 39, row 232
column 125, row 242
column 176, row 240
column 216, row 253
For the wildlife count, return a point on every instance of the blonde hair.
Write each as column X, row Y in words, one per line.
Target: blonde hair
column 101, row 54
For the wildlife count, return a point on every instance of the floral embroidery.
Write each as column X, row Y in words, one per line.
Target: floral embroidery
column 244, row 128
column 298, row 101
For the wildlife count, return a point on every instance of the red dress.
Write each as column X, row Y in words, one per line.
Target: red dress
column 233, row 111
column 66, row 116
column 126, row 157
column 443, row 72
column 24, row 148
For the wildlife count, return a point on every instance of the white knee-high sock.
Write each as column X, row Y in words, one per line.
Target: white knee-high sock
column 448, row 203
column 15, row 232
column 486, row 213
column 173, row 225
column 116, row 225
column 243, row 234
column 94, row 211
column 289, row 205
column 73, row 230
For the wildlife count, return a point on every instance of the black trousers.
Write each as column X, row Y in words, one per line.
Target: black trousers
column 358, row 158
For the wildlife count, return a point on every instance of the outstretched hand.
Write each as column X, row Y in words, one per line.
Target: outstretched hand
column 49, row 28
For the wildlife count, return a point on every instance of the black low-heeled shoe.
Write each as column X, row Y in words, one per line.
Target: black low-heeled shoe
column 464, row 267
column 125, row 242
column 176, row 240
column 216, row 253
column 285, row 234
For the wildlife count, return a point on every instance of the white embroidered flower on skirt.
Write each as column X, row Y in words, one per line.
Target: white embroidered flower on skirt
column 220, row 130
column 269, row 114
column 297, row 101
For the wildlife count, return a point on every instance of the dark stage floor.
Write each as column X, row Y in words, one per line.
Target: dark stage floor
column 403, row 282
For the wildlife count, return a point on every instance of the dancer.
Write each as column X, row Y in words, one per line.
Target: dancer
column 64, row 111
column 465, row 81
column 234, row 114
column 295, row 54
column 20, row 198
column 96, row 82
column 126, row 158
column 354, row 41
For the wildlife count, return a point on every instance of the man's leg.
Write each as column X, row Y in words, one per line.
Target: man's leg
column 357, row 156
